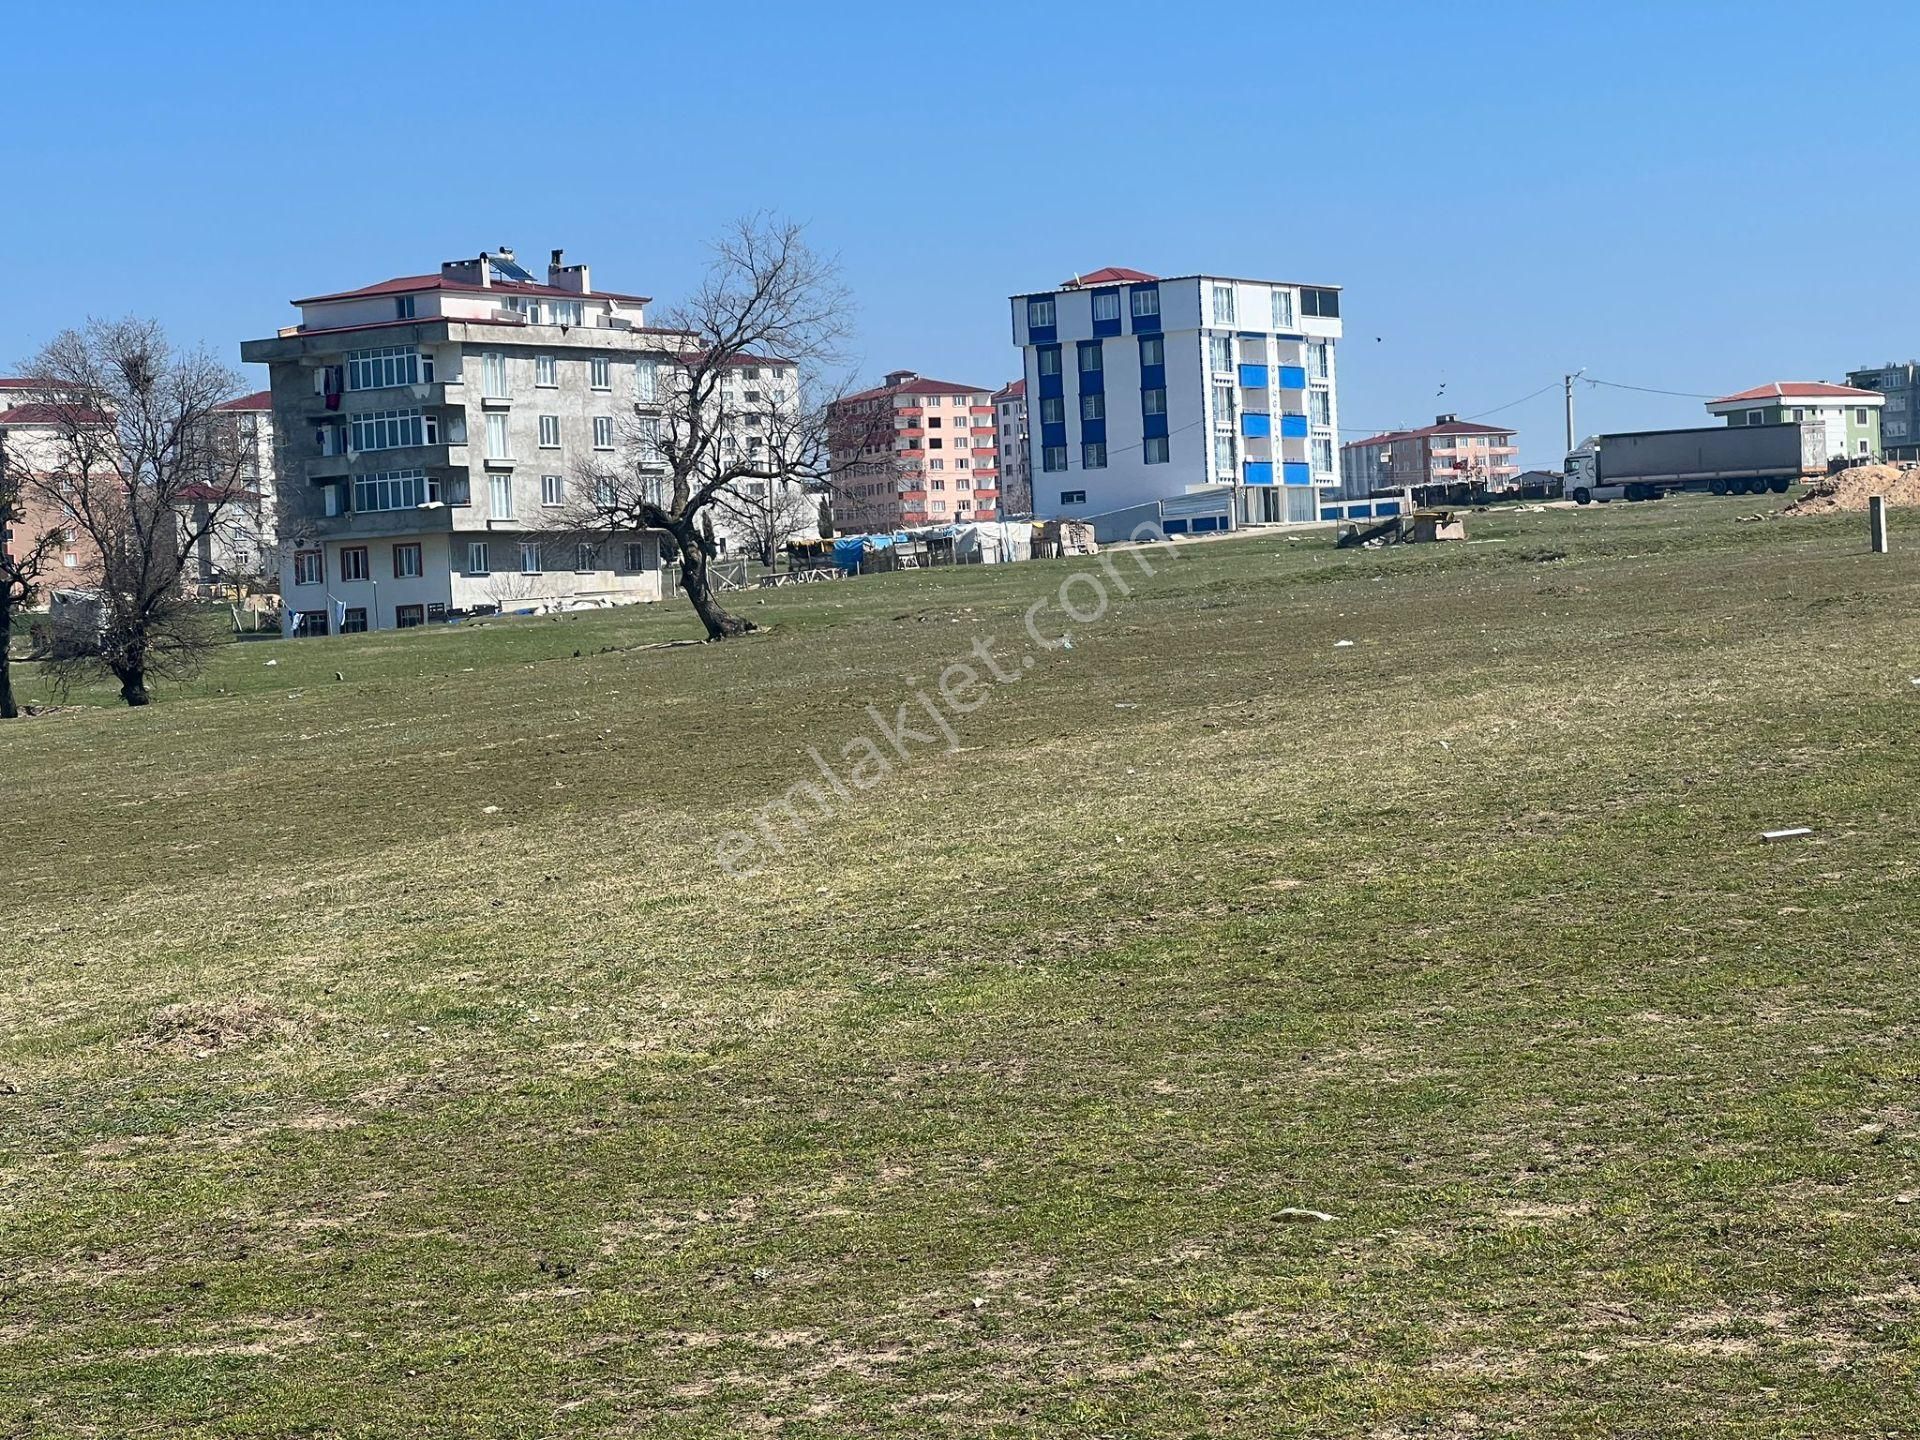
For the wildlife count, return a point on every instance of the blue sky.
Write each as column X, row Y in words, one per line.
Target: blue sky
column 1692, row 198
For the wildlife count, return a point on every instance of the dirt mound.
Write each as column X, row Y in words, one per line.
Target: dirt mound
column 202, row 1029
column 1850, row 489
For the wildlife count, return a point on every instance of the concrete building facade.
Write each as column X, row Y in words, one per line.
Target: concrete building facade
column 1846, row 417
column 1900, row 414
column 429, row 431
column 1139, row 388
column 914, row 451
column 1010, row 444
column 31, row 425
column 1451, row 451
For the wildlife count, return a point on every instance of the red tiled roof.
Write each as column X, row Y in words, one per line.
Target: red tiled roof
column 1015, row 390
column 1107, row 275
column 1449, row 427
column 34, row 413
column 259, row 400
column 19, row 382
column 413, row 284
column 1796, row 390
column 919, row 385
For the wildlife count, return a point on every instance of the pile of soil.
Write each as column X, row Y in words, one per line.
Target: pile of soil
column 1850, row 489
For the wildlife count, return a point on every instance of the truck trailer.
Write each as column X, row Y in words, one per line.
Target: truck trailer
column 1724, row 460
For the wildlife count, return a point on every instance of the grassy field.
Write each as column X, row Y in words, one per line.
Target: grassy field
column 387, row 1055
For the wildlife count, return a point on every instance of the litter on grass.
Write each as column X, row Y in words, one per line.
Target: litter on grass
column 1771, row 836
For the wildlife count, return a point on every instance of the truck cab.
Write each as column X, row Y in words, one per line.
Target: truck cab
column 1583, row 485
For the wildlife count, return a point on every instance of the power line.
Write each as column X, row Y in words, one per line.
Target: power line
column 1649, row 389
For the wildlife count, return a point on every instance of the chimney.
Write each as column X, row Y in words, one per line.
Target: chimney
column 467, row 272
column 567, row 277
column 900, row 377
column 1445, row 419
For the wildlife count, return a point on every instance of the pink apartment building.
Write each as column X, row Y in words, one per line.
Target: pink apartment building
column 1449, row 451
column 914, row 452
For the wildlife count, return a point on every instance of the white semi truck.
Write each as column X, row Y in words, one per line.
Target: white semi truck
column 1724, row 460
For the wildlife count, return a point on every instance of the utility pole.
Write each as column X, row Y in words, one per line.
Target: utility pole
column 1570, row 379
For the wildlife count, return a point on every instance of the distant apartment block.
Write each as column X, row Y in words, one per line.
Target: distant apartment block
column 1847, row 417
column 32, row 424
column 1450, row 451
column 1139, row 388
column 913, row 451
column 432, row 430
column 1010, row 443
column 1900, row 414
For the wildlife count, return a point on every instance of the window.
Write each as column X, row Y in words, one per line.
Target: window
column 1798, row 416
column 1040, row 313
column 1090, row 356
column 1320, row 406
column 1860, row 447
column 1153, row 350
column 529, row 557
column 1323, row 456
column 1223, row 304
column 1053, row 457
column 392, row 490
column 646, row 380
column 406, row 562
column 500, row 496
column 382, row 368
column 476, row 557
column 409, row 617
column 1155, row 450
column 1319, row 360
column 1860, row 418
column 600, row 373
column 603, row 432
column 1073, row 497
column 392, row 429
column 1756, row 417
column 1093, row 456
column 1282, row 308
column 1222, row 403
column 1153, row 402
column 549, row 432
column 403, row 307
column 1049, row 360
column 354, row 564
column 1093, row 407
column 1324, row 303
column 545, row 371
column 553, row 490
column 1146, row 302
column 636, row 555
column 586, row 555
column 936, row 464
column 493, row 376
column 353, row 620
column 309, row 567
column 498, row 447
column 1220, row 353
column 566, row 312
column 933, row 422
column 1106, row 305
column 1223, row 455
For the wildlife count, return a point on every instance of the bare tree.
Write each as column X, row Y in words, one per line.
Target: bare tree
column 23, row 559
column 740, row 365
column 142, row 472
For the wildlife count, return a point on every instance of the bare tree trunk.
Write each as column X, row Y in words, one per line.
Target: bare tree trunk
column 133, row 683
column 8, row 709
column 697, row 580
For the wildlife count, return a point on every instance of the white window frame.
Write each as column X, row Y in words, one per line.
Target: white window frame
column 546, row 372
column 549, row 432
column 477, row 558
column 1223, row 305
column 603, row 432
column 600, row 373
column 530, row 550
column 553, row 490
column 499, row 488
column 1040, row 314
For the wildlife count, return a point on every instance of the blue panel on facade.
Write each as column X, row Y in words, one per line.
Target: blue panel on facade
column 1332, row 514
column 1294, row 427
column 1259, row 472
column 1106, row 327
column 1293, row 377
column 1153, row 377
column 1094, row 431
column 1254, row 377
column 1038, row 334
column 1254, row 425
column 1153, row 426
column 1387, row 507
column 1173, row 527
column 1359, row 512
column 1298, row 473
column 1207, row 522
column 1053, row 435
column 1144, row 324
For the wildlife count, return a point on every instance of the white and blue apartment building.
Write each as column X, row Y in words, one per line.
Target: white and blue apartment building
column 1140, row 389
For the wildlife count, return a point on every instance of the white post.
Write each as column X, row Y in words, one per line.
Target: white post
column 1877, row 522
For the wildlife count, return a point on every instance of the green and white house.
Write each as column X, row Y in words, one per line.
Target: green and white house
column 1848, row 418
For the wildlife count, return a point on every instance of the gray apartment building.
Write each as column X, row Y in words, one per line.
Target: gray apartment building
column 1900, row 416
column 430, row 430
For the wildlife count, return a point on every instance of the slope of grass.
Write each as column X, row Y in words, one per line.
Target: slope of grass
column 388, row 1055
